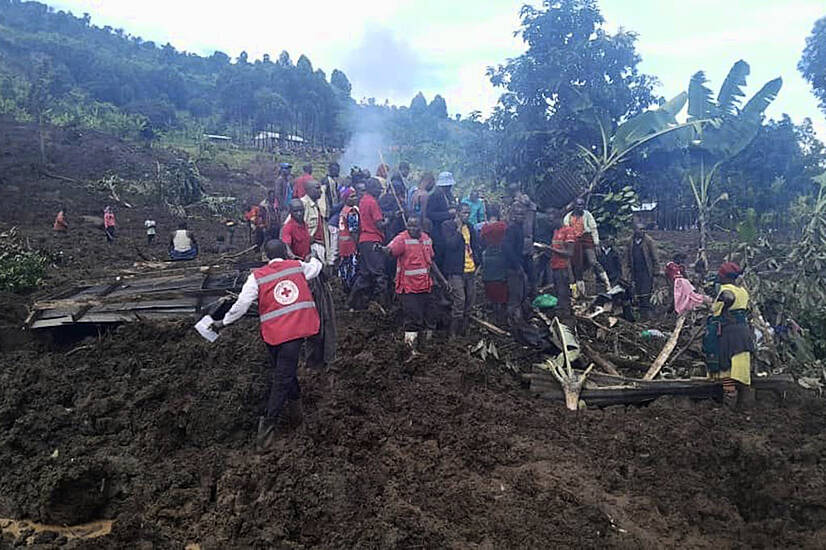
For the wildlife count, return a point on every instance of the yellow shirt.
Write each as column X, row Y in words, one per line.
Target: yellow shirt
column 741, row 299
column 470, row 266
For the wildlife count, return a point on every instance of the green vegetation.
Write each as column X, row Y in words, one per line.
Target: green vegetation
column 21, row 269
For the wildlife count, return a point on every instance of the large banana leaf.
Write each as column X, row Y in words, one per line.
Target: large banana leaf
column 761, row 100
column 732, row 89
column 649, row 122
column 700, row 104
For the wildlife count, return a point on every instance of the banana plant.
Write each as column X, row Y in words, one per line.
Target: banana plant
column 730, row 130
column 634, row 133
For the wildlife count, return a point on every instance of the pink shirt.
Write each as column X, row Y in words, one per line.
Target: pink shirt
column 108, row 219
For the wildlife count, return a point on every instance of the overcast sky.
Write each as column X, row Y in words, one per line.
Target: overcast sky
column 393, row 49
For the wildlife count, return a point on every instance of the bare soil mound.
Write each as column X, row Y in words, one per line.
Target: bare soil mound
column 151, row 427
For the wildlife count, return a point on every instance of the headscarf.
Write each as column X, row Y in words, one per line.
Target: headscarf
column 729, row 271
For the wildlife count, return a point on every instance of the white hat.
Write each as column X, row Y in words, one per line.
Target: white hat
column 445, row 179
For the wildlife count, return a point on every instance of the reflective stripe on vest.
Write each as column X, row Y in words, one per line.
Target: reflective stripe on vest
column 279, row 275
column 286, row 310
column 422, row 271
column 414, row 241
column 345, row 238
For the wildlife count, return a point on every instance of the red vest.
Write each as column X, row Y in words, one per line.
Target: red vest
column 286, row 307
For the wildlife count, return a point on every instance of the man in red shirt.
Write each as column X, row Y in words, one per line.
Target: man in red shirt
column 294, row 233
column 562, row 250
column 370, row 278
column 413, row 251
column 299, row 189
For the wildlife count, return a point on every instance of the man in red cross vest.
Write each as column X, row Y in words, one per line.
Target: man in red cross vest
column 288, row 314
column 413, row 250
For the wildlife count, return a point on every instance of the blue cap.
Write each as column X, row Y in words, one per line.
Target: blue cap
column 285, row 165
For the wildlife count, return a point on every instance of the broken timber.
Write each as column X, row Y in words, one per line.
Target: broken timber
column 603, row 390
column 176, row 293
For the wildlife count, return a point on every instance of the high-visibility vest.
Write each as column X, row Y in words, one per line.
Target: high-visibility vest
column 413, row 266
column 286, row 307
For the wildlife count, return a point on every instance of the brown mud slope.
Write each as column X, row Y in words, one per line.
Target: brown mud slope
column 154, row 428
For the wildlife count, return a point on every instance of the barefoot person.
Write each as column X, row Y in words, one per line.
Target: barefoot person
column 287, row 314
column 61, row 226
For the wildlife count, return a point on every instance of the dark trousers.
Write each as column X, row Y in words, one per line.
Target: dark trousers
column 517, row 285
column 416, row 309
column 370, row 276
column 643, row 287
column 562, row 284
column 149, row 238
column 464, row 294
column 110, row 234
column 284, row 382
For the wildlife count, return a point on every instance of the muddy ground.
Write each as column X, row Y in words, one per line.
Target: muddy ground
column 152, row 427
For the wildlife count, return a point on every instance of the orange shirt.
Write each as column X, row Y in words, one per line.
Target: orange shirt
column 562, row 237
column 577, row 223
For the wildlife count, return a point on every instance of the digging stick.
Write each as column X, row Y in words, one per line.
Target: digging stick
column 393, row 191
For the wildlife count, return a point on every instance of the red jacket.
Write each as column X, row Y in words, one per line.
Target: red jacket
column 370, row 215
column 415, row 256
column 299, row 189
column 286, row 307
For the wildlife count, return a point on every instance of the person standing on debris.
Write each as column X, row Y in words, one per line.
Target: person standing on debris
column 609, row 259
column 417, row 196
column 283, row 189
column 440, row 207
column 528, row 208
column 109, row 223
column 268, row 214
column 728, row 343
column 370, row 277
column 641, row 260
column 459, row 267
column 477, row 207
column 322, row 346
column 150, row 226
column 60, row 223
column 294, row 233
column 512, row 247
column 587, row 240
column 414, row 251
column 314, row 218
column 494, row 267
column 348, row 229
column 299, row 185
column 563, row 243
column 182, row 244
column 287, row 314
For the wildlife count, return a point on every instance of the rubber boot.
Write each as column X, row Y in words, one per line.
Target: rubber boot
column 580, row 286
column 267, row 433
column 410, row 340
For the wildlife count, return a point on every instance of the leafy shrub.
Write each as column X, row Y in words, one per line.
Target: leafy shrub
column 20, row 269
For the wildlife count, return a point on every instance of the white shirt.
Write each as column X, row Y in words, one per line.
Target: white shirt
column 181, row 241
column 249, row 292
column 150, row 227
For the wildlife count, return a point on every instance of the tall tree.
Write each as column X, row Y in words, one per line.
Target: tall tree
column 572, row 63
column 813, row 62
column 437, row 107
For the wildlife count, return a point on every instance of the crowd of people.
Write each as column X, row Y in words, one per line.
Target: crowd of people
column 368, row 230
